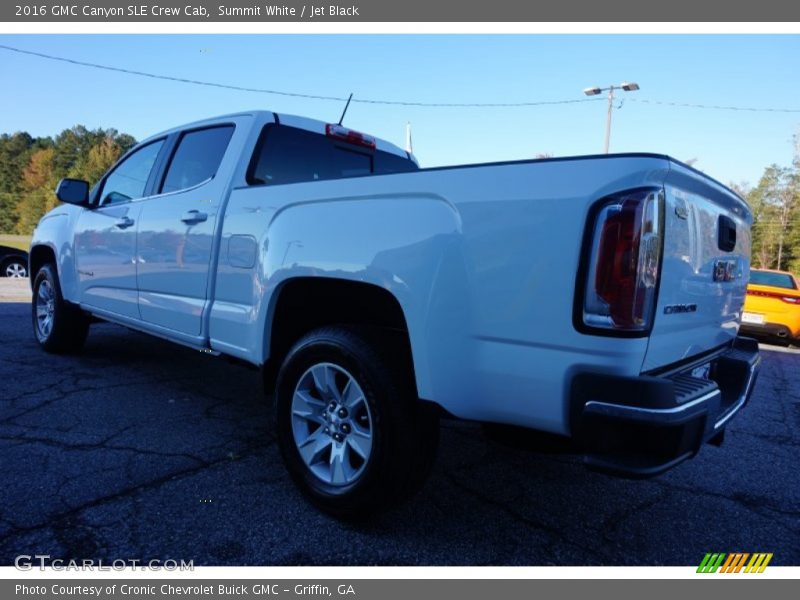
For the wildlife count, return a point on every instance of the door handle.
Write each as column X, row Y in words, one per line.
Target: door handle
column 193, row 216
column 124, row 223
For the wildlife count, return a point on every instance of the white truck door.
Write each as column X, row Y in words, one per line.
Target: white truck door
column 105, row 236
column 176, row 231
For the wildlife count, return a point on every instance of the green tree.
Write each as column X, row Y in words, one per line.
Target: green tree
column 31, row 167
column 762, row 238
column 15, row 151
column 72, row 145
column 793, row 264
column 776, row 207
column 794, row 227
column 97, row 161
column 38, row 181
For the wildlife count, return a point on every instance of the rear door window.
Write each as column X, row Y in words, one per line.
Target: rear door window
column 291, row 155
column 197, row 157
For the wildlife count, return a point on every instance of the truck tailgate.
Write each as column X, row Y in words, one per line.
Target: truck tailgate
column 705, row 268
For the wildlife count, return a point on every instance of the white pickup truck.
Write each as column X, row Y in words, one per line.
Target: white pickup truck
column 596, row 297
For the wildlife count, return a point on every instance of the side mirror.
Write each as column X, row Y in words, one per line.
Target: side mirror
column 73, row 191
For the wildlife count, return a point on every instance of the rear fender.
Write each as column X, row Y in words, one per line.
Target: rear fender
column 407, row 244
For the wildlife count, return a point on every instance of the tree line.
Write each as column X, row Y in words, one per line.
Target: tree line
column 775, row 202
column 31, row 167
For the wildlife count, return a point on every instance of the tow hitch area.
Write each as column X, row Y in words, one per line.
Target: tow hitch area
column 642, row 426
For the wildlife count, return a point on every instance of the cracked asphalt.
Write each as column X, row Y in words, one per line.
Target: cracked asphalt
column 139, row 449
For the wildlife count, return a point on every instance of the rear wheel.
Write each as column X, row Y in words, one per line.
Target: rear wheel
column 59, row 326
column 353, row 436
column 15, row 268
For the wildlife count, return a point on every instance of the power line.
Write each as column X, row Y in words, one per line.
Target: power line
column 716, row 107
column 293, row 94
column 379, row 101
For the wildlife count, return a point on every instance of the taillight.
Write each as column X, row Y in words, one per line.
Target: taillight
column 348, row 135
column 787, row 299
column 624, row 264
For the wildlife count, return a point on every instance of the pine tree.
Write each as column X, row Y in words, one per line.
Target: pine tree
column 31, row 167
column 38, row 182
column 97, row 161
column 775, row 205
column 15, row 151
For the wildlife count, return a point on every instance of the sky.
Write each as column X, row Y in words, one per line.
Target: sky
column 44, row 97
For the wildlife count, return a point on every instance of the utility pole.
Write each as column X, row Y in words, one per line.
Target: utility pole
column 594, row 91
column 608, row 118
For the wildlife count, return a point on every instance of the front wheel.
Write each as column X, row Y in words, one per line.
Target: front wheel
column 353, row 436
column 59, row 326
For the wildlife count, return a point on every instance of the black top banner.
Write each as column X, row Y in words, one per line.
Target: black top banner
column 466, row 11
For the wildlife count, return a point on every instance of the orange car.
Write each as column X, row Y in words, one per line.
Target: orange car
column 772, row 306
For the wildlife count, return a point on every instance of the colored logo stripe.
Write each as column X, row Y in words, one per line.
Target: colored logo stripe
column 710, row 563
column 734, row 562
column 758, row 563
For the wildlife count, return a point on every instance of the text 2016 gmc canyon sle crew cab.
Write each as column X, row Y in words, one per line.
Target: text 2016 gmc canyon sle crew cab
column 595, row 297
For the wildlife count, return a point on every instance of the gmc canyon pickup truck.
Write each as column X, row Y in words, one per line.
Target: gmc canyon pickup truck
column 595, row 297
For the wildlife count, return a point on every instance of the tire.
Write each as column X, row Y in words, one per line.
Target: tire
column 376, row 452
column 59, row 326
column 15, row 268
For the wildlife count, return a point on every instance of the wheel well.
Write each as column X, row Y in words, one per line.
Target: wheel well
column 9, row 259
column 40, row 256
column 306, row 303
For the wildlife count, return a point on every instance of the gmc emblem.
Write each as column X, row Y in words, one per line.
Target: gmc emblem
column 725, row 269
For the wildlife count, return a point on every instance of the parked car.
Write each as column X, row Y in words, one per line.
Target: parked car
column 596, row 297
column 13, row 262
column 772, row 306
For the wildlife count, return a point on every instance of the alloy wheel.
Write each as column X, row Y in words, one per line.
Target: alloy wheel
column 45, row 309
column 16, row 270
column 332, row 424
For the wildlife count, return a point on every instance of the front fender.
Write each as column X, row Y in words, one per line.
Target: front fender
column 54, row 232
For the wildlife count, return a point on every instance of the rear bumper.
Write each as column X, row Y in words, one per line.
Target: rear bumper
column 642, row 426
column 772, row 331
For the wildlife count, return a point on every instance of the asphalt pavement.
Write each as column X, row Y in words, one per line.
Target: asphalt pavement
column 140, row 449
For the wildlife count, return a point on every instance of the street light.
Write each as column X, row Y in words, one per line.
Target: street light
column 627, row 86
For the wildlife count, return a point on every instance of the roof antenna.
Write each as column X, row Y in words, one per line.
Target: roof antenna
column 346, row 106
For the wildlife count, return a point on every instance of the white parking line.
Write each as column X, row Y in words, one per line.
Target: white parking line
column 15, row 290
